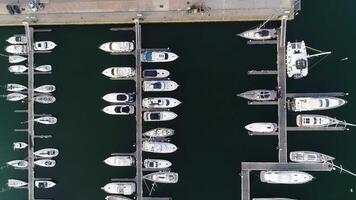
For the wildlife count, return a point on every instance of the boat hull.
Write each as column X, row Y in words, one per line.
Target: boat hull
column 120, row 161
column 156, row 164
column 45, row 163
column 119, row 110
column 159, row 132
column 124, row 188
column 300, row 104
column 259, row 95
column 309, row 157
column 155, row 73
column 47, row 153
column 160, row 102
column 117, row 47
column 262, row 127
column 162, row 177
column 159, row 116
column 259, row 34
column 119, row 72
column 159, row 86
column 158, row 147
column 285, row 177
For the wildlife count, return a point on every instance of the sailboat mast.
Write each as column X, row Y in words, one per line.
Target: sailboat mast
column 319, row 54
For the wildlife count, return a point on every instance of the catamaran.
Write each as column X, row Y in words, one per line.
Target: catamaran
column 45, row 163
column 120, row 161
column 44, row 68
column 159, row 116
column 309, row 157
column 17, row 49
column 19, row 145
column 162, row 177
column 45, row 89
column 44, row 45
column 160, row 102
column 158, row 147
column 44, row 99
column 44, row 184
column 117, row 47
column 300, row 104
column 124, row 188
column 159, row 86
column 156, row 163
column 14, row 183
column 17, row 68
column 119, row 72
column 20, row 164
column 159, row 132
column 316, row 121
column 47, row 153
column 14, row 87
column 259, row 95
column 158, row 56
column 285, row 177
column 119, row 109
column 155, row 73
column 46, row 120
column 16, row 59
column 262, row 127
column 119, row 97
column 17, row 39
column 15, row 97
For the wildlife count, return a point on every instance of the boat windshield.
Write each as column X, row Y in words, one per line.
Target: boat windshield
column 166, row 56
column 157, row 85
column 124, row 109
column 155, row 116
column 121, row 97
column 263, row 33
column 150, row 73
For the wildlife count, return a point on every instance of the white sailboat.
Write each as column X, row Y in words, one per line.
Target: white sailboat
column 17, row 49
column 16, row 59
column 259, row 34
column 285, row 177
column 262, row 127
column 15, row 97
column 47, row 153
column 155, row 73
column 119, row 110
column 159, row 86
column 17, row 68
column 316, row 121
column 19, row 145
column 44, row 184
column 162, row 177
column 158, row 147
column 44, row 45
column 15, row 183
column 119, row 72
column 14, row 87
column 45, row 89
column 158, row 56
column 309, row 157
column 159, row 132
column 46, row 120
column 17, row 39
column 117, row 47
column 259, row 95
column 45, row 163
column 44, row 99
column 160, row 102
column 20, row 164
column 120, row 161
column 44, row 68
column 159, row 116
column 124, row 188
column 156, row 164
column 300, row 104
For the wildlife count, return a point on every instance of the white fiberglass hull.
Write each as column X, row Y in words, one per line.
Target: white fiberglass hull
column 16, row 49
column 158, row 56
column 14, row 183
column 21, row 164
column 13, row 87
column 300, row 104
column 156, row 164
column 17, row 39
column 119, row 72
column 44, row 68
column 155, row 73
column 159, row 116
column 160, row 102
column 124, row 188
column 17, row 68
column 314, row 121
column 309, row 157
column 159, row 132
column 162, row 177
column 118, row 97
column 158, row 147
column 19, row 145
column 46, row 120
column 117, row 47
column 44, row 45
column 159, row 86
column 15, row 97
column 47, row 153
column 16, row 59
column 119, row 110
column 44, row 99
column 120, row 161
column 45, row 163
column 259, row 34
column 45, row 184
column 262, row 127
column 285, row 177
column 45, row 89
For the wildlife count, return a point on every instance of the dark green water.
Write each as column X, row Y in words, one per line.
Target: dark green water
column 212, row 142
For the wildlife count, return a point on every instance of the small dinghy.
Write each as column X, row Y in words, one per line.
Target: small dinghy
column 46, row 120
column 117, row 47
column 158, row 147
column 16, row 59
column 162, row 177
column 160, row 102
column 47, row 153
column 262, row 127
column 158, row 56
column 45, row 163
column 20, row 164
column 44, row 184
column 44, row 68
column 156, row 163
column 124, row 188
column 17, row 68
column 159, row 116
column 159, row 132
column 159, row 86
column 309, row 157
column 19, row 145
column 44, row 99
column 45, row 89
column 14, row 183
column 116, row 197
column 120, row 161
column 15, row 97
column 155, row 73
column 119, row 97
column 17, row 39
column 17, row 49
column 44, row 45
column 119, row 110
column 119, row 72
column 14, row 87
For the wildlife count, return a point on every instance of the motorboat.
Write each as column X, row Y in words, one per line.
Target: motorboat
column 44, row 99
column 44, row 45
column 19, row 145
column 262, row 127
column 116, row 197
column 119, row 97
column 159, row 116
column 309, row 157
column 297, row 59
column 45, row 89
column 14, row 87
column 14, row 183
column 158, row 56
column 16, row 59
column 20, row 164
column 285, row 177
column 317, row 121
column 259, row 34
column 117, row 47
column 272, row 199
column 124, row 188
column 155, row 73
column 156, row 163
column 15, row 97
column 159, row 132
column 158, row 147
column 119, row 72
column 162, row 177
column 47, row 153
column 45, row 163
column 17, row 39
column 44, row 68
column 16, row 49
column 300, row 104
column 119, row 109
column 159, row 86
column 160, row 102
column 17, row 68
column 120, row 161
column 46, row 120
column 259, row 95
column 44, row 184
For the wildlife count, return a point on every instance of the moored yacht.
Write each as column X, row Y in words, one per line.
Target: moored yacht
column 259, row 34
column 124, row 188
column 45, row 163
column 45, row 89
column 44, row 184
column 158, row 56
column 156, row 163
column 162, row 177
column 19, row 145
column 17, row 39
column 160, row 102
column 47, row 153
column 119, row 72
column 119, row 110
column 285, row 177
column 158, row 147
column 14, row 183
column 46, row 120
column 262, row 127
column 155, row 73
column 21, row 164
column 153, row 86
column 14, row 87
column 159, row 132
column 120, row 161
column 116, row 197
column 44, row 68
column 17, row 68
column 159, row 116
column 44, row 45
column 44, row 99
column 117, row 47
column 316, row 121
column 259, row 95
column 300, row 104
column 16, row 59
column 15, row 97
column 119, row 97
column 16, row 49
column 309, row 157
